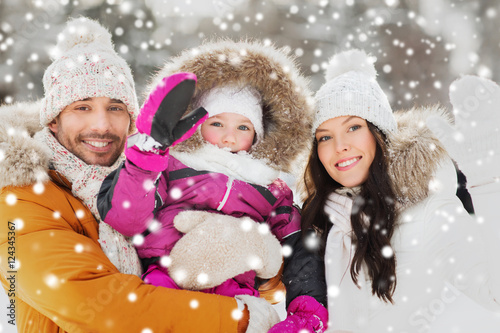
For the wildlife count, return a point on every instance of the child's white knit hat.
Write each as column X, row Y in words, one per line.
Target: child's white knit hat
column 86, row 66
column 351, row 89
column 245, row 101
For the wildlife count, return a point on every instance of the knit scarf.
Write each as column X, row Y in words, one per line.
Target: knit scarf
column 86, row 181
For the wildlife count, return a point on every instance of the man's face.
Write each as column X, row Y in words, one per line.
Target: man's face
column 93, row 129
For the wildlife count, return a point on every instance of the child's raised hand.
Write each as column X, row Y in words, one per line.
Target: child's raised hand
column 160, row 116
column 160, row 124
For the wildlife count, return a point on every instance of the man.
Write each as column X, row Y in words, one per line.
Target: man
column 52, row 266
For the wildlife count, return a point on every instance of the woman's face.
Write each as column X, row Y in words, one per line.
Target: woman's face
column 346, row 148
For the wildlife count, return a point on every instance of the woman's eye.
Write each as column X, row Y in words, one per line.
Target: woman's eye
column 82, row 108
column 324, row 138
column 116, row 108
column 354, row 128
column 243, row 128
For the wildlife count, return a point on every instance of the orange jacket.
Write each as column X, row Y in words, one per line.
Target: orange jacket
column 65, row 282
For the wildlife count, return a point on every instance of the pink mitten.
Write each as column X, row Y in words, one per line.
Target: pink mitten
column 159, row 123
column 305, row 314
column 158, row 276
column 242, row 284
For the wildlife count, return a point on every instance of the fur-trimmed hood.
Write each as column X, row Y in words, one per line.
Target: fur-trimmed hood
column 415, row 154
column 273, row 73
column 24, row 160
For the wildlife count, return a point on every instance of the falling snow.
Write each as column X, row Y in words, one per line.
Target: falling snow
column 420, row 48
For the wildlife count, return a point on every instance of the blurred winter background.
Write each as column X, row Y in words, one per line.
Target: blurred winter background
column 420, row 46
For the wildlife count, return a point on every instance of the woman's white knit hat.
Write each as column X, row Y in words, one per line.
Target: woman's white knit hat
column 85, row 66
column 245, row 101
column 351, row 89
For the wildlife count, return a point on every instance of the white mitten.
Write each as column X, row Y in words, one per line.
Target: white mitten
column 262, row 314
column 219, row 247
column 187, row 220
column 474, row 141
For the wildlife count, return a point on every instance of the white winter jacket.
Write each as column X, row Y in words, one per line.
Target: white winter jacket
column 439, row 250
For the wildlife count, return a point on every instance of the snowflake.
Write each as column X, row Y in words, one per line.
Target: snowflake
column 148, row 185
column 38, row 188
column 165, row 261
column 236, row 314
column 52, row 281
column 138, row 240
column 132, row 297
column 194, row 304
column 154, row 226
column 387, row 252
column 254, row 262
column 333, row 291
column 278, row 296
column 263, row 228
column 202, row 278
column 246, row 224
column 179, row 275
column 11, row 199
column 286, row 251
column 78, row 248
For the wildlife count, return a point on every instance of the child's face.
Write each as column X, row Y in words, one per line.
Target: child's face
column 346, row 148
column 229, row 130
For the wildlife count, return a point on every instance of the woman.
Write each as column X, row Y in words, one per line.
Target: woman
column 398, row 245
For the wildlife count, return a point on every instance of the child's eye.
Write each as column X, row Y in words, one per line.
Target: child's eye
column 243, row 128
column 216, row 124
column 324, row 138
column 354, row 128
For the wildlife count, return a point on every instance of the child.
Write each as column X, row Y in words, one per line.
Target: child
column 382, row 194
column 197, row 203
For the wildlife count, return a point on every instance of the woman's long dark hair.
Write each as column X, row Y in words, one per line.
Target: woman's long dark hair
column 375, row 203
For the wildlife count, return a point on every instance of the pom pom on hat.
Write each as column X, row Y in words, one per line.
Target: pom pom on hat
column 81, row 32
column 352, row 60
column 351, row 89
column 85, row 66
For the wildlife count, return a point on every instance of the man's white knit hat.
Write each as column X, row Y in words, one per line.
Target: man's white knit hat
column 245, row 101
column 351, row 89
column 86, row 66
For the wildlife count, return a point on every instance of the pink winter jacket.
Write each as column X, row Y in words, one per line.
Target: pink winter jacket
column 132, row 198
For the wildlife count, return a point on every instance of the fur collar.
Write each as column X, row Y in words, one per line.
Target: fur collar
column 24, row 160
column 415, row 154
column 241, row 166
column 273, row 73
